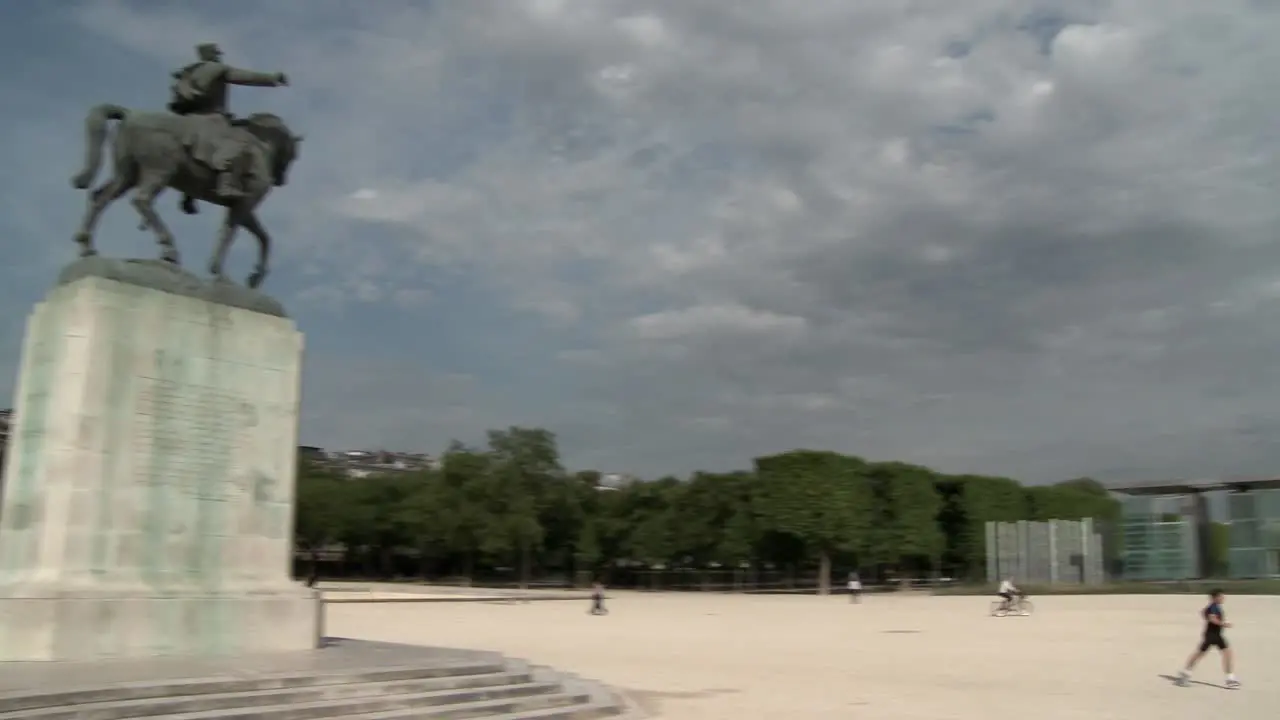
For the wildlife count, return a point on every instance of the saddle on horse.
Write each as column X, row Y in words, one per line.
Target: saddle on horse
column 222, row 144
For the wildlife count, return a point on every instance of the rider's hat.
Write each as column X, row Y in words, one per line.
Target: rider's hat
column 208, row 49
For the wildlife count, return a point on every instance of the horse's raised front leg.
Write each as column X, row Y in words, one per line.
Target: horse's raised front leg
column 250, row 223
column 226, row 235
column 150, row 187
column 98, row 201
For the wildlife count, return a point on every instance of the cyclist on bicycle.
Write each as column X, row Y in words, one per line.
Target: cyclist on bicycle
column 1008, row 591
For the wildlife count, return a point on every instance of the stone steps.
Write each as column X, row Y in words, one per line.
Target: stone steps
column 493, row 688
column 11, row 702
column 574, row 712
column 577, row 703
column 375, row 704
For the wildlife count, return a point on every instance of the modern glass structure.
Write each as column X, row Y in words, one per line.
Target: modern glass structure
column 1160, row 538
column 1254, row 549
column 1167, row 528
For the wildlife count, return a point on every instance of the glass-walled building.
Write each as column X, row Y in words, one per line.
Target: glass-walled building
column 1167, row 528
column 1254, row 546
column 1161, row 540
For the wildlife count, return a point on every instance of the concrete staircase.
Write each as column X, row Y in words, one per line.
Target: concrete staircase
column 491, row 687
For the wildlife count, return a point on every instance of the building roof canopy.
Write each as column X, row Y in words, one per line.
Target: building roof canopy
column 1187, row 487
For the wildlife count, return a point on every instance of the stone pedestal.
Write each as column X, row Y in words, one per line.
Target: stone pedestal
column 147, row 504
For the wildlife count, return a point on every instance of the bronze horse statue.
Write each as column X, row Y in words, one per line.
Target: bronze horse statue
column 152, row 152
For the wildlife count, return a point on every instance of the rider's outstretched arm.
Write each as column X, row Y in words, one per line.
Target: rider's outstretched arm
column 236, row 76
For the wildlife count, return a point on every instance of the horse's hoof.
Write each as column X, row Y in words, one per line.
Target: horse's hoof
column 255, row 280
column 86, row 245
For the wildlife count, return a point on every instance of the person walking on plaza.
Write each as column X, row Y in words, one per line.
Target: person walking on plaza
column 597, row 599
column 1214, row 624
column 855, row 588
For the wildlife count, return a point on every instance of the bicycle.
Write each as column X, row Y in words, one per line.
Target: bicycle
column 1019, row 606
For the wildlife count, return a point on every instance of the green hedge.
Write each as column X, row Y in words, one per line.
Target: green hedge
column 1231, row 587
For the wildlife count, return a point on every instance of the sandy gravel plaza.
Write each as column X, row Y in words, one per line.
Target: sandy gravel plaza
column 737, row 657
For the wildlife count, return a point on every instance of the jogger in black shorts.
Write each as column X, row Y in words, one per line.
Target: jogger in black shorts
column 1214, row 625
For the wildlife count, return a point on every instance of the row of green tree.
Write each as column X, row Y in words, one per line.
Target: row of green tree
column 512, row 504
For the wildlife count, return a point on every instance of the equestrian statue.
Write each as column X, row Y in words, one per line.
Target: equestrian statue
column 197, row 148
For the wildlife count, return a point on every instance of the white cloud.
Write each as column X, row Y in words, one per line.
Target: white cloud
column 703, row 320
column 646, row 30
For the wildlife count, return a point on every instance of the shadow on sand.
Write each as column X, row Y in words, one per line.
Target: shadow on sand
column 1174, row 679
column 652, row 701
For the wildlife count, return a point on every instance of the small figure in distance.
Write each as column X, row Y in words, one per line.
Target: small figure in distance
column 1214, row 624
column 855, row 588
column 597, row 599
column 1008, row 591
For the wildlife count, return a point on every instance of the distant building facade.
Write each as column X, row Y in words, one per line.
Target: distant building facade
column 363, row 463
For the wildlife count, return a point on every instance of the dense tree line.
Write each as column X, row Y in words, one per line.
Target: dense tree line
column 511, row 504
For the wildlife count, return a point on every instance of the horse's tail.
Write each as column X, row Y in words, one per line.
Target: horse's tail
column 95, row 134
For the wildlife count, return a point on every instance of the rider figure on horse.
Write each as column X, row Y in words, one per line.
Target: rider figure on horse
column 200, row 91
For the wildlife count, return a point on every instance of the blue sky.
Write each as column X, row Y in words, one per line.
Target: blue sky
column 1024, row 237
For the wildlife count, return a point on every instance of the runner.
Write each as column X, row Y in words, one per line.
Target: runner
column 1214, row 624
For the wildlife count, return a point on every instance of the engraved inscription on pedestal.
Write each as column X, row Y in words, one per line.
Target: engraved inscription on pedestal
column 189, row 427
